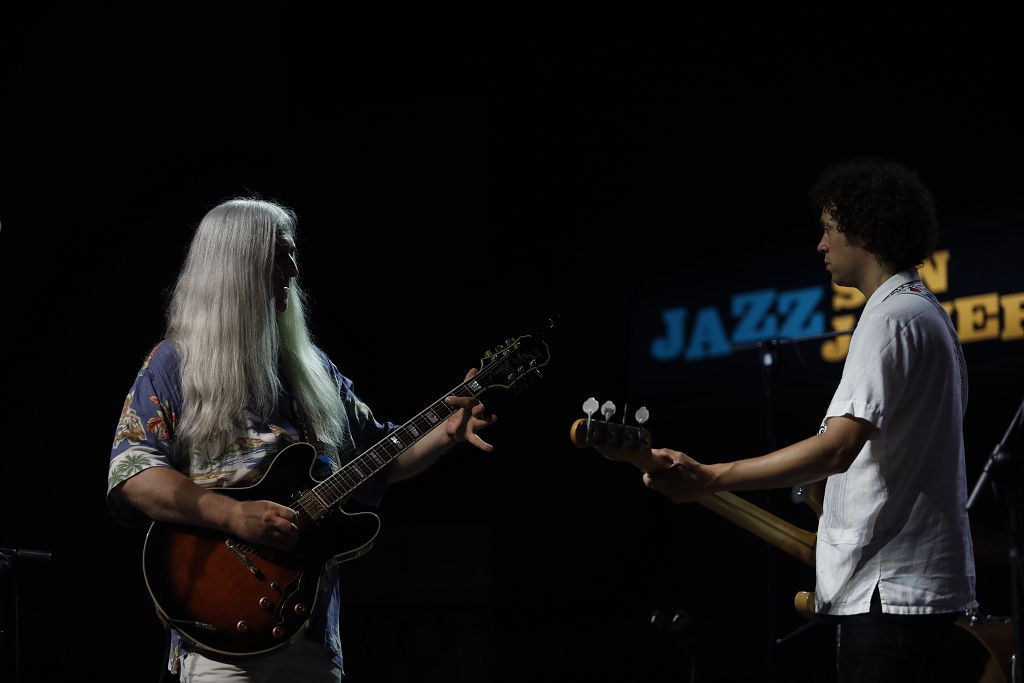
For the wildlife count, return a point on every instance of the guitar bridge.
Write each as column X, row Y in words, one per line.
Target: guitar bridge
column 246, row 562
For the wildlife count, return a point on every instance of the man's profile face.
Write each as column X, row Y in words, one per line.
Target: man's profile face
column 285, row 268
column 841, row 257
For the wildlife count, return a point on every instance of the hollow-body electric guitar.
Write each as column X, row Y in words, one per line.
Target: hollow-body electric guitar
column 231, row 599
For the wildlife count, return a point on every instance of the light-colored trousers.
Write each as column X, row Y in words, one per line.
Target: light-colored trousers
column 304, row 661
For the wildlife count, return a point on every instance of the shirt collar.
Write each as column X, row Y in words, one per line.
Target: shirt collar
column 891, row 285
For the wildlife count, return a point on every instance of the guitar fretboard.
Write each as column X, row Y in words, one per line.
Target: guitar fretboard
column 333, row 489
column 501, row 369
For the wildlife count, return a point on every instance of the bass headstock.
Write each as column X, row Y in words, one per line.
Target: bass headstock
column 613, row 440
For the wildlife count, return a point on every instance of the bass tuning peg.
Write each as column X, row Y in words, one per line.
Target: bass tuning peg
column 642, row 415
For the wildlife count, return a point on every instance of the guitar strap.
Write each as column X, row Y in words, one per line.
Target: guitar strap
column 916, row 288
column 302, row 426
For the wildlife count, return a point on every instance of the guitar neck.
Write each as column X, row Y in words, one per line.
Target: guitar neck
column 510, row 364
column 340, row 484
column 787, row 537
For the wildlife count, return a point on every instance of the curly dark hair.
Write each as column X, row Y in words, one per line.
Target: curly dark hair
column 881, row 206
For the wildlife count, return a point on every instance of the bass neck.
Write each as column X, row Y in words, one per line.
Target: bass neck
column 632, row 445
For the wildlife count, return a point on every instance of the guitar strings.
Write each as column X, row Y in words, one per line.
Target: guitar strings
column 369, row 462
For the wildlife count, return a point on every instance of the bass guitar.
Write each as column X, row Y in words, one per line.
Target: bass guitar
column 979, row 651
column 626, row 443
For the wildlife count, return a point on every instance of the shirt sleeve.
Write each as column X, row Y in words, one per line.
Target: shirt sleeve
column 145, row 429
column 366, row 430
column 876, row 371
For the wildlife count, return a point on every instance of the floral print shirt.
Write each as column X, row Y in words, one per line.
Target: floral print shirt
column 145, row 437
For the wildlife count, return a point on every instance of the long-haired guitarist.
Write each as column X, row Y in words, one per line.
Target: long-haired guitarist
column 236, row 380
column 894, row 560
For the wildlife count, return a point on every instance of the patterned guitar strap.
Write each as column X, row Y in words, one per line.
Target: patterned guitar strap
column 917, row 288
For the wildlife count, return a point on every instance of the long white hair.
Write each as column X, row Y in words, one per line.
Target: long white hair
column 233, row 344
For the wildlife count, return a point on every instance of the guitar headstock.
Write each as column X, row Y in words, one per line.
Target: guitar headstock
column 516, row 363
column 613, row 440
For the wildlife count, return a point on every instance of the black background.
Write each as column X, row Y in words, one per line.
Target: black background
column 453, row 189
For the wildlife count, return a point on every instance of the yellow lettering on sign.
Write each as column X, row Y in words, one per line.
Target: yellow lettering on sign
column 977, row 317
column 1013, row 316
column 935, row 272
column 845, row 298
column 835, row 349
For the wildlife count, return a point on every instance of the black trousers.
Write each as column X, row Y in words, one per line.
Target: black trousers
column 879, row 648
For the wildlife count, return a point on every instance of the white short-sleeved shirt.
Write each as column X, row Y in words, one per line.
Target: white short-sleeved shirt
column 897, row 518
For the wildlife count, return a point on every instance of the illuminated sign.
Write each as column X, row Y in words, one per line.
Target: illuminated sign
column 698, row 333
column 755, row 316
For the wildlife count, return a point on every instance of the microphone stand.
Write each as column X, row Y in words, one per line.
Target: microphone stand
column 9, row 559
column 768, row 352
column 769, row 355
column 1007, row 489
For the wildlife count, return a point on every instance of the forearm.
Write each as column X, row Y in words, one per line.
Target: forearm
column 803, row 462
column 468, row 418
column 166, row 495
column 422, row 454
column 684, row 479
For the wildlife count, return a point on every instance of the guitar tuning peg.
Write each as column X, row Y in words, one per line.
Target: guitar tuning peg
column 642, row 415
column 608, row 409
column 589, row 407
